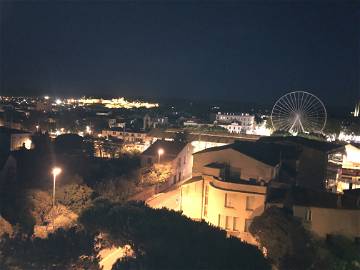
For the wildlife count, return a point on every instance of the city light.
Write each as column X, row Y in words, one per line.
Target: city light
column 28, row 143
column 55, row 172
column 160, row 152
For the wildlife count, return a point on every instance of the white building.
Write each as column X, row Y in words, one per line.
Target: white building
column 238, row 128
column 126, row 136
column 227, row 118
column 235, row 123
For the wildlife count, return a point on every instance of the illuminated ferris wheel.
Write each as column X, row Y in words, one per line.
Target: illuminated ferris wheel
column 299, row 112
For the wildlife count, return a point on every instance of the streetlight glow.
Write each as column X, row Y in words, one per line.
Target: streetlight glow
column 56, row 171
column 160, row 152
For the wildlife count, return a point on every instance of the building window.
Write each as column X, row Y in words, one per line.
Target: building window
column 236, row 223
column 308, row 215
column 219, row 220
column 228, row 201
column 206, row 200
column 227, row 223
column 247, row 225
column 149, row 160
column 250, row 203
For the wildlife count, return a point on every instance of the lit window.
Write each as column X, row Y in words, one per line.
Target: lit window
column 236, row 224
column 308, row 215
column 228, row 201
column 227, row 223
column 250, row 203
column 247, row 224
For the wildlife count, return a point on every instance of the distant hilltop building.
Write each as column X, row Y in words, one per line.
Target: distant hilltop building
column 228, row 118
column 357, row 109
column 235, row 122
column 150, row 122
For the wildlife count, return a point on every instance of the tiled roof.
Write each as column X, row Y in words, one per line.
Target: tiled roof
column 312, row 198
column 171, row 148
column 12, row 131
column 268, row 153
column 315, row 144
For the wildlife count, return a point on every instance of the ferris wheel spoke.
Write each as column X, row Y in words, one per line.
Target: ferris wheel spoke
column 293, row 101
column 285, row 105
column 298, row 100
column 301, row 102
column 311, row 104
column 281, row 111
column 305, row 101
column 282, row 106
column 287, row 99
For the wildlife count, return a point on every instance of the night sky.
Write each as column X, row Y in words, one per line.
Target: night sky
column 243, row 51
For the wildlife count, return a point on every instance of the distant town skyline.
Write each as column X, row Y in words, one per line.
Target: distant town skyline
column 246, row 52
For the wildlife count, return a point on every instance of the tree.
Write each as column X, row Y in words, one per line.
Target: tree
column 284, row 238
column 42, row 142
column 73, row 144
column 111, row 147
column 182, row 137
column 76, row 197
column 163, row 239
column 71, row 249
column 157, row 173
column 117, row 189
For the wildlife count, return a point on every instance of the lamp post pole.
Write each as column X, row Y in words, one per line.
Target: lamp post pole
column 54, row 175
column 160, row 152
column 55, row 172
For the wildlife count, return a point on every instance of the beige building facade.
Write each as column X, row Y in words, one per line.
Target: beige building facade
column 329, row 221
column 236, row 165
column 230, row 206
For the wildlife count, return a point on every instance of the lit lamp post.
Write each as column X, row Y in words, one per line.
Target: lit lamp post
column 37, row 128
column 160, row 152
column 55, row 172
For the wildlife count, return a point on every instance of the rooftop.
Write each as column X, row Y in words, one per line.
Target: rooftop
column 171, row 148
column 314, row 144
column 7, row 130
column 268, row 153
column 312, row 198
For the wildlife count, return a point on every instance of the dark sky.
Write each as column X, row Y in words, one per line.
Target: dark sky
column 245, row 51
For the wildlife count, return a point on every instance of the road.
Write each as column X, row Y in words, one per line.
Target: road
column 109, row 256
column 170, row 200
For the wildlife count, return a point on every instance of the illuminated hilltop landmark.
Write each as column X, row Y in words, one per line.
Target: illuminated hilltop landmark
column 114, row 103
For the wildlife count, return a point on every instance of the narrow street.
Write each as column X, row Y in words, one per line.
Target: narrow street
column 170, row 200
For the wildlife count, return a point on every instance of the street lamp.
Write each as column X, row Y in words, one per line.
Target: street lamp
column 55, row 172
column 160, row 152
column 37, row 128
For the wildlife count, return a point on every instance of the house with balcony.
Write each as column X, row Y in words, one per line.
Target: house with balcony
column 230, row 182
